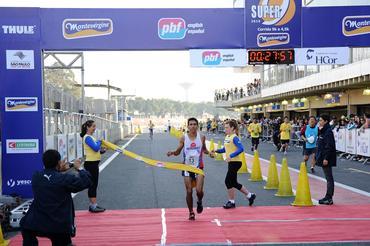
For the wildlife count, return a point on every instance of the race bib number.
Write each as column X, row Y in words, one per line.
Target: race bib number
column 192, row 160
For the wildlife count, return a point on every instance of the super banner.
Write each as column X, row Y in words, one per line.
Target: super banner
column 273, row 24
column 336, row 26
column 167, row 165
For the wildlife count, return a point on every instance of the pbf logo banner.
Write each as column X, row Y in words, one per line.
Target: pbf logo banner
column 84, row 28
column 16, row 104
column 171, row 28
column 273, row 23
column 218, row 58
column 177, row 29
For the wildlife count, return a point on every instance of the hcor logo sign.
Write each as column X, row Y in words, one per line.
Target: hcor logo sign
column 171, row 28
column 211, row 58
column 274, row 12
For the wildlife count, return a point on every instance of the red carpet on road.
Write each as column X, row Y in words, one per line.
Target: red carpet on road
column 278, row 224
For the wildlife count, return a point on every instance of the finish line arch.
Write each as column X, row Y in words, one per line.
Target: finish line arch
column 26, row 32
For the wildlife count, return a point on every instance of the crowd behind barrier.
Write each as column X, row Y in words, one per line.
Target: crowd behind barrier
column 236, row 93
column 352, row 135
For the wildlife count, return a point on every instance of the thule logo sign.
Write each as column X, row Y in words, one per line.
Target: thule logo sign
column 23, row 30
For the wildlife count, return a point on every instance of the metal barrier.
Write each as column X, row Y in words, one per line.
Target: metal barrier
column 267, row 133
column 63, row 122
column 295, row 136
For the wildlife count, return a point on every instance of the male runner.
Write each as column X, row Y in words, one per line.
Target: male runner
column 255, row 130
column 194, row 146
column 309, row 134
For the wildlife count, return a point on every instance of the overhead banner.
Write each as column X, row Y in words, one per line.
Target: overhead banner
column 218, row 58
column 322, row 56
column 273, row 24
column 336, row 26
column 142, row 29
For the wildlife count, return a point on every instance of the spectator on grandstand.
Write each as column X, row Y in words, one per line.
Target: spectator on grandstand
column 51, row 213
column 326, row 157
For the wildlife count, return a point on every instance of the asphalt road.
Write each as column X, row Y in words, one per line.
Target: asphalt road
column 129, row 184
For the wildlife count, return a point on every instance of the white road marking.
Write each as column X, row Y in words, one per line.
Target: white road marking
column 164, row 228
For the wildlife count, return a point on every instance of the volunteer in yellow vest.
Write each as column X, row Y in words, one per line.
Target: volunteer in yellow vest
column 255, row 130
column 93, row 151
column 234, row 149
column 285, row 129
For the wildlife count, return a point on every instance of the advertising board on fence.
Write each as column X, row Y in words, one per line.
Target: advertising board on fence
column 79, row 146
column 363, row 142
column 351, row 143
column 62, row 146
column 340, row 142
column 71, row 146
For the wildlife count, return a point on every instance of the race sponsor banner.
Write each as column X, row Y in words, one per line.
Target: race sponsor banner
column 71, row 146
column 340, row 142
column 24, row 104
column 22, row 146
column 363, row 142
column 218, row 58
column 351, row 141
column 20, row 59
column 273, row 24
column 79, row 146
column 142, row 29
column 339, row 26
column 322, row 56
column 50, row 142
column 62, row 146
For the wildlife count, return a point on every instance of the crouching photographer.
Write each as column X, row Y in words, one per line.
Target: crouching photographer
column 51, row 213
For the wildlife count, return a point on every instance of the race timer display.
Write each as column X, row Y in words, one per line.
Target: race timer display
column 261, row 57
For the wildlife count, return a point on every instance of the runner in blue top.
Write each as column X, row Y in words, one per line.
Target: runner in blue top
column 309, row 135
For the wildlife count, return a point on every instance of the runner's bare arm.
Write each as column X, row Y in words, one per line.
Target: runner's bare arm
column 204, row 148
column 179, row 148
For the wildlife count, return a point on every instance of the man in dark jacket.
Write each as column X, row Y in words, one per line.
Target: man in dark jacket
column 326, row 156
column 51, row 214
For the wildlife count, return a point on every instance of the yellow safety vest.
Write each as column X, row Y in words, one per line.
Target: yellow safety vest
column 91, row 155
column 230, row 147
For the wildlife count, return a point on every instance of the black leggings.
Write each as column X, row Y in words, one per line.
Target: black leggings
column 57, row 239
column 231, row 180
column 93, row 168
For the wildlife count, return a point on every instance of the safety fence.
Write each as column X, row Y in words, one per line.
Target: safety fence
column 62, row 131
column 352, row 143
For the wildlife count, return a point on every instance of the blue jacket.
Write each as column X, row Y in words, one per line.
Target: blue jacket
column 52, row 209
column 326, row 147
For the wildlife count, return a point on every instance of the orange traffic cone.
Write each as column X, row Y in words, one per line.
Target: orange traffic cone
column 256, row 168
column 244, row 167
column 211, row 145
column 285, row 186
column 303, row 194
column 3, row 242
column 219, row 157
column 272, row 178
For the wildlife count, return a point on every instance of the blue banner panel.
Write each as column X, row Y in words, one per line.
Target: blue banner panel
column 20, row 99
column 141, row 29
column 336, row 26
column 273, row 24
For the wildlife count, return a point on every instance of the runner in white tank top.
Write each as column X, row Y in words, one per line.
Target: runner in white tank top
column 194, row 146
